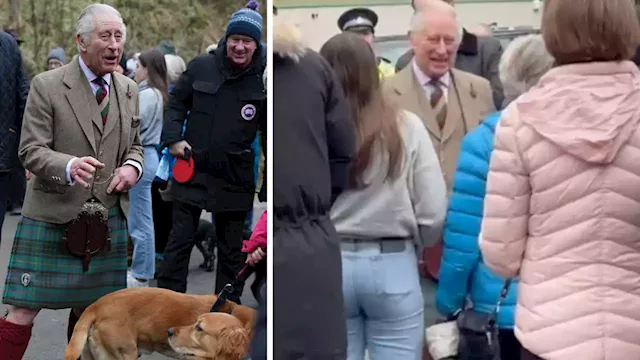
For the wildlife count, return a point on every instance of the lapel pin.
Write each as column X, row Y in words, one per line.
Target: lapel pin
column 472, row 92
column 129, row 94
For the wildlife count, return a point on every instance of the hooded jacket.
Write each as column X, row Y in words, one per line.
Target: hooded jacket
column 563, row 211
column 314, row 143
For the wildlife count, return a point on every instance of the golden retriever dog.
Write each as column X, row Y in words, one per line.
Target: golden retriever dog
column 216, row 336
column 119, row 324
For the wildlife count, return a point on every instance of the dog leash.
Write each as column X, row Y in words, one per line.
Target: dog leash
column 227, row 289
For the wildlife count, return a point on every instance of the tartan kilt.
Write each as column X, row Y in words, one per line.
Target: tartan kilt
column 55, row 277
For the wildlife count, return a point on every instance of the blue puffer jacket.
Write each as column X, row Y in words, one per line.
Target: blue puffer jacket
column 463, row 273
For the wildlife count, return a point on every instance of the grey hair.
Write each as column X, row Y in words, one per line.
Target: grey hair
column 86, row 23
column 523, row 63
column 175, row 67
column 418, row 24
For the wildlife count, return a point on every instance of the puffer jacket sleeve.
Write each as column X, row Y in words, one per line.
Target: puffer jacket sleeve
column 461, row 253
column 506, row 208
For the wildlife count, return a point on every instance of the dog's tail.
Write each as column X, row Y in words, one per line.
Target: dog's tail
column 80, row 336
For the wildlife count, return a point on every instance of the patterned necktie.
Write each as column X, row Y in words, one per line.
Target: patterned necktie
column 438, row 102
column 102, row 98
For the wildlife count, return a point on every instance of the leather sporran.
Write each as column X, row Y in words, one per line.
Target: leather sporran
column 88, row 233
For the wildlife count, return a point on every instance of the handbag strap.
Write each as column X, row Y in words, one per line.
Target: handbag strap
column 503, row 295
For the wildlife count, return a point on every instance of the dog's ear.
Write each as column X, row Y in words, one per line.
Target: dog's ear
column 233, row 343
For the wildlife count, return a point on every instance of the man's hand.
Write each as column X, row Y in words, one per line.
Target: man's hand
column 82, row 169
column 255, row 257
column 177, row 149
column 124, row 178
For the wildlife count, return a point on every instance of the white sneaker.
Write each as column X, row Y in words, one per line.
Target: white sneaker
column 135, row 283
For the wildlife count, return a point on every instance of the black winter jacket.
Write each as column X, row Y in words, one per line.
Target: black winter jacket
column 14, row 88
column 224, row 108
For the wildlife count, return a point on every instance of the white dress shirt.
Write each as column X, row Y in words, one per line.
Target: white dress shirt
column 423, row 79
column 107, row 78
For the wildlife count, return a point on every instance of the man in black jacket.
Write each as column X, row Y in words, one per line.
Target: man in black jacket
column 222, row 96
column 479, row 55
column 14, row 88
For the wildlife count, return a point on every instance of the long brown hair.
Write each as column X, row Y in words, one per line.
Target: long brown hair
column 153, row 61
column 375, row 119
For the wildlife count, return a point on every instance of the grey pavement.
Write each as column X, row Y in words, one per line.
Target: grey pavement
column 50, row 330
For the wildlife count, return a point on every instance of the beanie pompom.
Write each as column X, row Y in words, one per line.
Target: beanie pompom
column 253, row 5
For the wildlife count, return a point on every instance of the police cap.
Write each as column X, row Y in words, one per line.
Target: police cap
column 358, row 19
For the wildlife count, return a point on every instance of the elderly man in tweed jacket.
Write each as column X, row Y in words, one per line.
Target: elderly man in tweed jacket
column 80, row 140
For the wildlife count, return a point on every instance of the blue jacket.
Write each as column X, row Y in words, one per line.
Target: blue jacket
column 463, row 273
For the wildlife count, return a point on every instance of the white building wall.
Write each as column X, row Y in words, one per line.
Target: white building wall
column 394, row 19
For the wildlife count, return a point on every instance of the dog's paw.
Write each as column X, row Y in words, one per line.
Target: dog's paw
column 209, row 268
column 204, row 265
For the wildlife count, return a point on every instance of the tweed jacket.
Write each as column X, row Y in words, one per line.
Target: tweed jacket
column 469, row 101
column 62, row 121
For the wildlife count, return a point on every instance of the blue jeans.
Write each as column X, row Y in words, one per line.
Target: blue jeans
column 141, row 219
column 383, row 303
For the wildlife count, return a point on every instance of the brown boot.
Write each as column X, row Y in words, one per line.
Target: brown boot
column 73, row 319
column 14, row 340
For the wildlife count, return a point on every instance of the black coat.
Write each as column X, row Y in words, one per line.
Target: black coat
column 313, row 147
column 14, row 88
column 224, row 108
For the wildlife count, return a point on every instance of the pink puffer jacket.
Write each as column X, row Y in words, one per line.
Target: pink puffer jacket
column 563, row 211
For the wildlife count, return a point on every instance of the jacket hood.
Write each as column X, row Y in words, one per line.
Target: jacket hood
column 287, row 40
column 590, row 110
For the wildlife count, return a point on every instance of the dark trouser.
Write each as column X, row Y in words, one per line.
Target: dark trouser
column 175, row 268
column 162, row 216
column 510, row 348
column 5, row 188
column 229, row 231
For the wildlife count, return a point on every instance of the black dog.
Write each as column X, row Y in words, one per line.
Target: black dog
column 206, row 241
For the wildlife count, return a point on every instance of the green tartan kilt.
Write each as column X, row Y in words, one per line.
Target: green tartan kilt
column 42, row 274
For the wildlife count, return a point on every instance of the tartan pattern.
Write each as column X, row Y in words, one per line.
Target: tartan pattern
column 102, row 98
column 56, row 277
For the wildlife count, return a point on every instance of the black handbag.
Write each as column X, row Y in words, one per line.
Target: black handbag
column 479, row 332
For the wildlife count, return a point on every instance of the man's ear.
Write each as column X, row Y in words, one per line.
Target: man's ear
column 81, row 45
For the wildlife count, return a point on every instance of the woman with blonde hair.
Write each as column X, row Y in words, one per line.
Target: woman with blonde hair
column 562, row 209
column 396, row 201
column 463, row 274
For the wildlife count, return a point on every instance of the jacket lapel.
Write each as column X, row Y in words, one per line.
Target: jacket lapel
column 415, row 99
column 457, row 95
column 111, row 120
column 79, row 95
column 121, row 89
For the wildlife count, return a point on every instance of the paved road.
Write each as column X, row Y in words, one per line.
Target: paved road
column 50, row 336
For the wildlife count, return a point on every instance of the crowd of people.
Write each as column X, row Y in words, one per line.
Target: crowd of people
column 89, row 136
column 504, row 177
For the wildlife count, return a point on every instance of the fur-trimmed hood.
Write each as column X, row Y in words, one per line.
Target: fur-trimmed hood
column 287, row 40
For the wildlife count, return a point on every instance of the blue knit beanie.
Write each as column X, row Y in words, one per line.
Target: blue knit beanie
column 246, row 21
